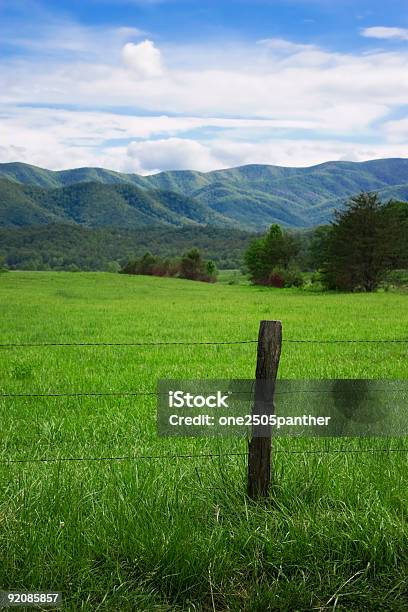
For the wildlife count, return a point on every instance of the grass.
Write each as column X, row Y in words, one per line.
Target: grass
column 180, row 535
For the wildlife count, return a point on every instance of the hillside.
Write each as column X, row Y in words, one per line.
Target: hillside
column 100, row 205
column 66, row 247
column 250, row 197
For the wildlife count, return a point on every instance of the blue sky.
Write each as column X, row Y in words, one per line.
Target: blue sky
column 149, row 85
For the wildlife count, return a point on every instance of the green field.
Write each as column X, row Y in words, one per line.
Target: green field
column 180, row 534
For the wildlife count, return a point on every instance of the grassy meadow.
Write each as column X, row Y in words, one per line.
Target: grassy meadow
column 180, row 534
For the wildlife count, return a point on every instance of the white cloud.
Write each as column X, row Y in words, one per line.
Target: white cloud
column 150, row 156
column 63, row 139
column 384, row 33
column 212, row 105
column 172, row 154
column 144, row 59
column 340, row 92
column 397, row 131
column 85, row 138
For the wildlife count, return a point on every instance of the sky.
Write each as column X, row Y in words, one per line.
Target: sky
column 150, row 85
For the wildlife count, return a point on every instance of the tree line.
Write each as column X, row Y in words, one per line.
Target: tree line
column 74, row 247
column 365, row 241
column 190, row 266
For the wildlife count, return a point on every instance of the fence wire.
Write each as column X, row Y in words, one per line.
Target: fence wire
column 204, row 343
column 201, row 455
column 151, row 393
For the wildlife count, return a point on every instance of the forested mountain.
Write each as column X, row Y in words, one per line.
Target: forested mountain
column 101, row 205
column 65, row 247
column 251, row 197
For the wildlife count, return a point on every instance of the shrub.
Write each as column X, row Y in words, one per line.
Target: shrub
column 191, row 266
column 293, row 277
column 276, row 278
column 285, row 277
column 397, row 278
column 113, row 266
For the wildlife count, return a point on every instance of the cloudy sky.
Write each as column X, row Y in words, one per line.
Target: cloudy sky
column 149, row 85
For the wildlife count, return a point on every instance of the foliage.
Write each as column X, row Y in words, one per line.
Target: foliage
column 151, row 265
column 96, row 204
column 191, row 266
column 397, row 278
column 318, row 247
column 2, row 265
column 250, row 197
column 276, row 249
column 286, row 277
column 57, row 247
column 396, row 217
column 211, row 269
column 364, row 241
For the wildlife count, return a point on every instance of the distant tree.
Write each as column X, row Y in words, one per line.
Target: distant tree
column 72, row 268
column 146, row 263
column 192, row 265
column 275, row 249
column 359, row 246
column 396, row 218
column 56, row 246
column 212, row 271
column 286, row 277
column 113, row 266
column 319, row 245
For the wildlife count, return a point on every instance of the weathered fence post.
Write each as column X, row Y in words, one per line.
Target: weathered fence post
column 259, row 450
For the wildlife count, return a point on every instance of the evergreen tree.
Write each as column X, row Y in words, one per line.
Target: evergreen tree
column 396, row 218
column 192, row 265
column 359, row 247
column 318, row 248
column 212, row 271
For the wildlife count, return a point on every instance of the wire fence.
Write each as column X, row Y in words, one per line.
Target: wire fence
column 204, row 343
column 203, row 455
column 152, row 393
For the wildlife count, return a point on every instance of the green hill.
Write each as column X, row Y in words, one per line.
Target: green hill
column 100, row 205
column 62, row 247
column 249, row 197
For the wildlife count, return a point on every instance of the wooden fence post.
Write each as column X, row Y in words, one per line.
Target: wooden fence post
column 259, row 450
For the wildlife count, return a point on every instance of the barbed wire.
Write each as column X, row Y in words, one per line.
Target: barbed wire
column 80, row 394
column 170, row 343
column 250, row 393
column 198, row 456
column 204, row 343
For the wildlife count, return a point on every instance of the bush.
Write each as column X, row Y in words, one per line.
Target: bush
column 397, row 278
column 293, row 277
column 285, row 277
column 276, row 249
column 72, row 268
column 276, row 278
column 191, row 266
column 113, row 266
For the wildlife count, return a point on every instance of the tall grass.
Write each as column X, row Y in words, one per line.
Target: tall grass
column 180, row 534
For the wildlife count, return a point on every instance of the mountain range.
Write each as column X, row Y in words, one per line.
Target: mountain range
column 248, row 197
